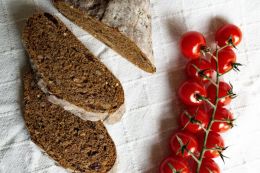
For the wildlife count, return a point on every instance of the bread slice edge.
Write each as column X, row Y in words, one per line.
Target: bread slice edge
column 108, row 117
column 140, row 59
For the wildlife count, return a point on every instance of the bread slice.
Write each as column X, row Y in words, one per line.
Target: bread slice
column 78, row 145
column 66, row 70
column 125, row 26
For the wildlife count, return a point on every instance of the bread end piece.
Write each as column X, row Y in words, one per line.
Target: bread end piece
column 111, row 36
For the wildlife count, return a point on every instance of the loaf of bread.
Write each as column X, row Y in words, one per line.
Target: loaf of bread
column 77, row 145
column 125, row 26
column 67, row 71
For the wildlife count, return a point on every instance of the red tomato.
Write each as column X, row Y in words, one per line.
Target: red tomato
column 226, row 59
column 209, row 166
column 191, row 44
column 214, row 140
column 189, row 91
column 178, row 165
column 198, row 120
column 224, row 88
column 220, row 115
column 187, row 139
column 224, row 32
column 202, row 64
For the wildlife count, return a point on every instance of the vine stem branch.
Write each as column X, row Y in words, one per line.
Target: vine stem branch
column 214, row 106
column 205, row 76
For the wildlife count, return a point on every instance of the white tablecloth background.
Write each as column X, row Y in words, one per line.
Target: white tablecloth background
column 152, row 106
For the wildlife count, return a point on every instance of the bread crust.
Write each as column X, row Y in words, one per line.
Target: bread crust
column 125, row 26
column 75, row 144
column 68, row 72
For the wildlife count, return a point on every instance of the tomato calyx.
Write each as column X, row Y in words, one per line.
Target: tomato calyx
column 184, row 144
column 173, row 169
column 192, row 119
column 205, row 99
column 223, row 120
column 229, row 122
column 214, row 146
column 183, row 147
column 202, row 72
column 190, row 91
column 226, row 60
column 225, row 94
column 199, row 70
column 235, row 66
column 220, row 150
column 230, row 92
column 230, row 42
column 174, row 164
column 204, row 50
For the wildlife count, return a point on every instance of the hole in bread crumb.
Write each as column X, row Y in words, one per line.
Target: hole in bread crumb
column 95, row 166
column 51, row 18
column 92, row 153
column 76, row 129
column 114, row 107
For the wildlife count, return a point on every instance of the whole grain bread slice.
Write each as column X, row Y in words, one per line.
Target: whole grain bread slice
column 75, row 144
column 125, row 26
column 70, row 73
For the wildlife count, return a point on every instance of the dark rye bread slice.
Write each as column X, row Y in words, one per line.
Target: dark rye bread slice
column 77, row 145
column 68, row 71
column 125, row 26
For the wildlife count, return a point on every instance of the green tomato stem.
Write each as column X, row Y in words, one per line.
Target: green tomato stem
column 204, row 148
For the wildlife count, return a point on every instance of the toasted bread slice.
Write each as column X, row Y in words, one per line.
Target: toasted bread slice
column 70, row 73
column 125, row 26
column 75, row 144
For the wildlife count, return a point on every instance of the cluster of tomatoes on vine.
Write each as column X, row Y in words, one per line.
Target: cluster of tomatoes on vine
column 205, row 95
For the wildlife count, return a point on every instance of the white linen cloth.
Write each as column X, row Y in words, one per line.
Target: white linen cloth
column 152, row 105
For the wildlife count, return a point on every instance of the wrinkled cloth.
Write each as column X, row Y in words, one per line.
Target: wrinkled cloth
column 152, row 103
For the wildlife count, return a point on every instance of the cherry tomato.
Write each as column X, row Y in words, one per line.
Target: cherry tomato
column 222, row 114
column 203, row 65
column 187, row 139
column 189, row 92
column 214, row 140
column 226, row 59
column 224, row 88
column 195, row 120
column 191, row 44
column 209, row 166
column 174, row 164
column 224, row 32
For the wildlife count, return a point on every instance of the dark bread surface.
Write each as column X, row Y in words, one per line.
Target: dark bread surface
column 81, row 146
column 90, row 20
column 69, row 70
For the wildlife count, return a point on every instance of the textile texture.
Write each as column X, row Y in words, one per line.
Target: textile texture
column 152, row 103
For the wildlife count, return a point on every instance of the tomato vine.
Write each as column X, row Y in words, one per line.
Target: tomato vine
column 198, row 140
